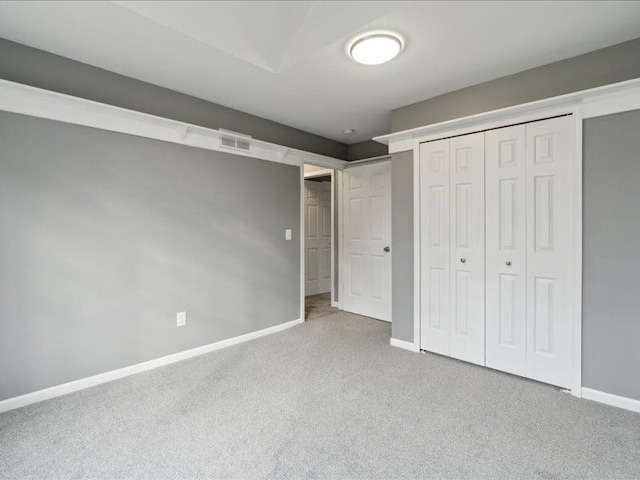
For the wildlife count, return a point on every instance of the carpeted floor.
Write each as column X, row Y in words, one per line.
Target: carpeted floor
column 316, row 306
column 327, row 399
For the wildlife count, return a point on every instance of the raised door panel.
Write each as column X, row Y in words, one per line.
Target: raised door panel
column 326, row 263
column 312, row 221
column 549, row 253
column 466, row 264
column 506, row 319
column 435, row 248
column 312, row 265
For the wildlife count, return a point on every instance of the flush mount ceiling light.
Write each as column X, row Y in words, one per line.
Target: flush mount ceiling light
column 349, row 131
column 375, row 48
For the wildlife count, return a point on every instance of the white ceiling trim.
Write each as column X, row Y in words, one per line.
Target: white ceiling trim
column 593, row 101
column 37, row 102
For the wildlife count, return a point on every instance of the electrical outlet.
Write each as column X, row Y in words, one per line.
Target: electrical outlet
column 287, row 234
column 181, row 319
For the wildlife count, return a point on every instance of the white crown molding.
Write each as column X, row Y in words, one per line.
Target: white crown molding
column 613, row 98
column 380, row 158
column 37, row 102
column 58, row 390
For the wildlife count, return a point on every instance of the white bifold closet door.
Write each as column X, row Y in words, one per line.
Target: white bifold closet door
column 549, row 254
column 506, row 239
column 528, row 247
column 452, row 259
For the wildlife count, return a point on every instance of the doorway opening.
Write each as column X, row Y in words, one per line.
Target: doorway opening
column 320, row 292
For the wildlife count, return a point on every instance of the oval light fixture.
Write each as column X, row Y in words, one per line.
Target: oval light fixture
column 376, row 48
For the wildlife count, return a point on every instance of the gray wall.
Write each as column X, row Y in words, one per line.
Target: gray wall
column 30, row 66
column 402, row 235
column 106, row 236
column 601, row 67
column 368, row 149
column 611, row 283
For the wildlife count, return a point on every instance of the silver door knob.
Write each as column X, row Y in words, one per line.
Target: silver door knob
column 463, row 260
column 387, row 249
column 507, row 263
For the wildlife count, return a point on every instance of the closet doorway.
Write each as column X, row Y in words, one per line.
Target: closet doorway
column 496, row 257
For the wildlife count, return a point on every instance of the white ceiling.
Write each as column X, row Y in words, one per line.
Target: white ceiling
column 286, row 61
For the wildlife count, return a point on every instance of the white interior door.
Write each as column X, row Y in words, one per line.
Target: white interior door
column 549, row 253
column 466, row 190
column 367, row 240
column 435, row 249
column 506, row 314
column 317, row 245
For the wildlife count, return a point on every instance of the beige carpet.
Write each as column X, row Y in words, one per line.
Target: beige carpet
column 317, row 306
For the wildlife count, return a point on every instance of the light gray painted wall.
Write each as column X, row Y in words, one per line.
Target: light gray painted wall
column 30, row 66
column 368, row 149
column 611, row 283
column 106, row 236
column 402, row 237
column 601, row 67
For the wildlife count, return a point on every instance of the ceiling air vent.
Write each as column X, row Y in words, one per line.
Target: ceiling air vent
column 235, row 141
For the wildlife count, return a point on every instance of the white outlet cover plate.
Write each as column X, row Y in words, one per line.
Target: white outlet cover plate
column 181, row 319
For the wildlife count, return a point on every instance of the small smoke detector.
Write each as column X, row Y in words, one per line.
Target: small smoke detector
column 349, row 131
column 235, row 141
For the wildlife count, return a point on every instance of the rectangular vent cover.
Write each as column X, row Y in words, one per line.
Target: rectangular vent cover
column 235, row 143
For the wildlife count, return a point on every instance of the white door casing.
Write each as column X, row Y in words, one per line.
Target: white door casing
column 367, row 232
column 467, row 256
column 549, row 253
column 506, row 249
column 435, row 256
column 317, row 245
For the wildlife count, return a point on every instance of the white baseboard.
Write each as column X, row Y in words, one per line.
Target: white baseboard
column 412, row 347
column 610, row 399
column 58, row 390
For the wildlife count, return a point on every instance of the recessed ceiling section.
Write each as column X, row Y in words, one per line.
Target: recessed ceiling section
column 270, row 35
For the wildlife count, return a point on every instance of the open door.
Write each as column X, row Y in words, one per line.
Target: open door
column 367, row 240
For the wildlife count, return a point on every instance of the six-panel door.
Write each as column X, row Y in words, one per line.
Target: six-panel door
column 367, row 240
column 317, row 230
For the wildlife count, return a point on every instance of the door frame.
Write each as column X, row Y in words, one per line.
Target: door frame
column 334, row 211
column 596, row 102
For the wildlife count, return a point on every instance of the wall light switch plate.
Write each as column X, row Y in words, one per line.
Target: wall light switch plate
column 181, row 319
column 287, row 234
